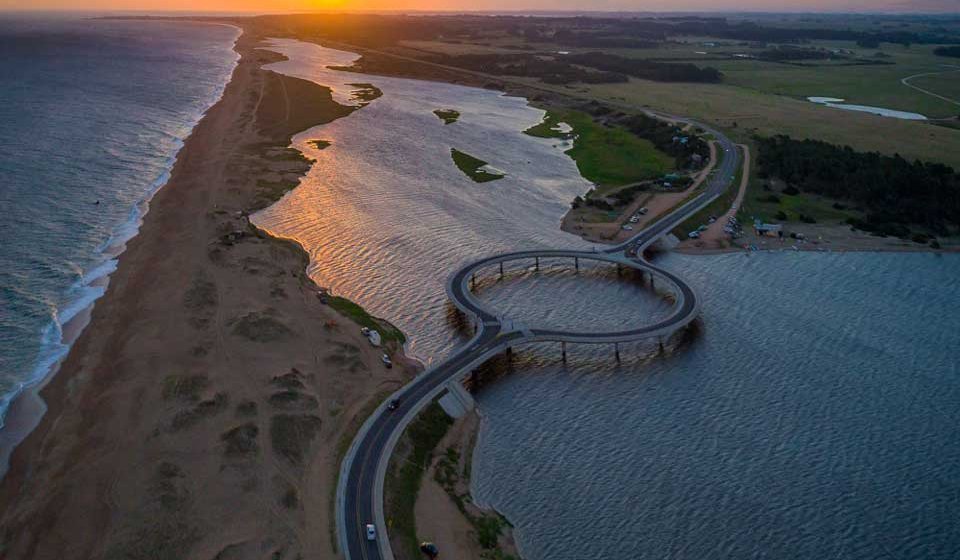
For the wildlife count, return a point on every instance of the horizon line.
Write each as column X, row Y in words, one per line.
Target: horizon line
column 560, row 12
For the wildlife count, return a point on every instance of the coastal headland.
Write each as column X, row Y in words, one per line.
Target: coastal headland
column 203, row 411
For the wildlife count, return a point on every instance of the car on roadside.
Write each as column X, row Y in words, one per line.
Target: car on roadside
column 627, row 228
column 694, row 235
column 371, row 532
column 643, row 211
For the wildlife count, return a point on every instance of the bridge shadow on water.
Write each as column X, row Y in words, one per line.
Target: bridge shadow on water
column 588, row 359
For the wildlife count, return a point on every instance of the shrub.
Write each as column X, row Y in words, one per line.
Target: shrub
column 791, row 190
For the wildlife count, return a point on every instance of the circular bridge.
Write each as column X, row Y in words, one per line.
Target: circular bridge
column 363, row 472
column 684, row 310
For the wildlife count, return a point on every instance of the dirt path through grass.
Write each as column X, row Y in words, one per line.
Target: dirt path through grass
column 906, row 82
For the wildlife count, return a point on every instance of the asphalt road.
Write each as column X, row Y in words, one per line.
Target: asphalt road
column 360, row 494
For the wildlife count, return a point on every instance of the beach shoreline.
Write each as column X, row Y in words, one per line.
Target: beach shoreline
column 209, row 363
column 26, row 407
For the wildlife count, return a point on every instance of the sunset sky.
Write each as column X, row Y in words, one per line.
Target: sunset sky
column 637, row 5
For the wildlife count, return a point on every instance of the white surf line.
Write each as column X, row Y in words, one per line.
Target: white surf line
column 906, row 82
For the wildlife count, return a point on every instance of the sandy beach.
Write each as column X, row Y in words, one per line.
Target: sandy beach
column 203, row 411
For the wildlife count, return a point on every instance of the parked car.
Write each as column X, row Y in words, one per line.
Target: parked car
column 643, row 211
column 371, row 532
column 627, row 228
column 694, row 235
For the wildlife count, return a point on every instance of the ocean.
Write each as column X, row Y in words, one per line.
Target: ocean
column 92, row 114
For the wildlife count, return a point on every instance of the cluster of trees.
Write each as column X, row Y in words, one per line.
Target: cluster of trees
column 647, row 69
column 567, row 69
column 893, row 192
column 782, row 54
column 599, row 40
column 665, row 137
column 947, row 51
column 549, row 71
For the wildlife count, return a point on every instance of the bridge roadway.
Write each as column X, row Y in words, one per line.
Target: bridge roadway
column 363, row 472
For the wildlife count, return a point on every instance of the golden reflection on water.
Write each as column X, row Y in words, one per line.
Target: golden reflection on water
column 386, row 216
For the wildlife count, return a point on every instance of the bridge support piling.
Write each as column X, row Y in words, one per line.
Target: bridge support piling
column 618, row 270
column 616, row 351
column 537, row 265
column 576, row 264
column 501, row 270
column 563, row 350
column 660, row 343
column 473, row 281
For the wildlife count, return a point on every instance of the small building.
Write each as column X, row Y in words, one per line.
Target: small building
column 762, row 229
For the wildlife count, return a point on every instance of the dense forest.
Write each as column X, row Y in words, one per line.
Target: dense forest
column 947, row 51
column 647, row 69
column 893, row 192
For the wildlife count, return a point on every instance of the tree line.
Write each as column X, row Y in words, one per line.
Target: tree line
column 953, row 52
column 564, row 69
column 528, row 65
column 894, row 193
column 647, row 69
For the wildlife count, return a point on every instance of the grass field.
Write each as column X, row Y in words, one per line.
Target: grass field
column 877, row 85
column 405, row 474
column 608, row 157
column 360, row 316
column 743, row 112
column 473, row 167
column 774, row 206
column 769, row 98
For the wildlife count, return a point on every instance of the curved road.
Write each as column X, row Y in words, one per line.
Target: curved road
column 362, row 475
column 906, row 82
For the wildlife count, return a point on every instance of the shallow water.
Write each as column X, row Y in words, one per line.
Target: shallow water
column 386, row 215
column 89, row 111
column 813, row 415
column 839, row 104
